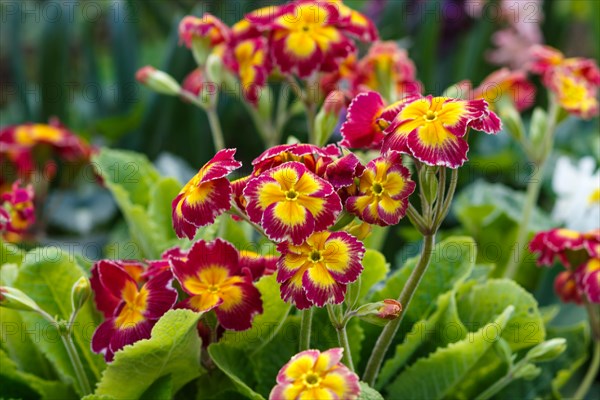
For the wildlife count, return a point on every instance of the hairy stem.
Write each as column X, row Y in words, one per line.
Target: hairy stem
column 306, row 328
column 389, row 331
column 80, row 375
column 533, row 192
column 215, row 129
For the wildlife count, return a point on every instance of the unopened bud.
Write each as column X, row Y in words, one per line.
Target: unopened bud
column 548, row 350
column 565, row 286
column 17, row 300
column 214, row 69
column 359, row 229
column 528, row 372
column 80, row 293
column 381, row 312
column 512, row 119
column 158, row 81
column 328, row 116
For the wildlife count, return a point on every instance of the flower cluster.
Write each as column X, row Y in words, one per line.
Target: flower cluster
column 580, row 255
column 302, row 37
column 312, row 374
column 133, row 295
column 19, row 144
column 430, row 129
column 574, row 81
column 17, row 212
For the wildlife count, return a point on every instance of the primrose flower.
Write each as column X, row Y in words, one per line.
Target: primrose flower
column 574, row 81
column 318, row 271
column 589, row 279
column 291, row 203
column 155, row 267
column 258, row 265
column 137, row 311
column 571, row 247
column 208, row 28
column 250, row 60
column 505, row 82
column 17, row 143
column 314, row 375
column 386, row 67
column 213, row 277
column 19, row 213
column 193, row 82
column 367, row 119
column 313, row 157
column 205, row 196
column 383, row 191
column 106, row 302
column 309, row 36
column 431, row 129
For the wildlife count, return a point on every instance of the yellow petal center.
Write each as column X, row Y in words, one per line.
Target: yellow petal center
column 311, row 380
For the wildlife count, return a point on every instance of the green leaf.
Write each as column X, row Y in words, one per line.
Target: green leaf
column 143, row 197
column 441, row 328
column 9, row 253
column 173, row 349
column 491, row 213
column 161, row 389
column 435, row 376
column 19, row 384
column 368, row 393
column 236, row 365
column 451, row 263
column 479, row 304
column 375, row 270
column 265, row 325
column 557, row 372
column 47, row 276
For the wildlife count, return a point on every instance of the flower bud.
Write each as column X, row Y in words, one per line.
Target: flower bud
column 17, row 300
column 158, row 81
column 381, row 312
column 537, row 131
column 359, row 229
column 565, row 286
column 512, row 119
column 214, row 69
column 548, row 350
column 80, row 292
column 527, row 372
column 328, row 116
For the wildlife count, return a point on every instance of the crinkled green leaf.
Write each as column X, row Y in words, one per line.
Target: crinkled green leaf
column 436, row 376
column 237, row 366
column 47, row 276
column 18, row 384
column 479, row 304
column 265, row 325
column 161, row 389
column 143, row 197
column 173, row 349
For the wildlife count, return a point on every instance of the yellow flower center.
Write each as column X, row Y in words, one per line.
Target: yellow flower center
column 430, row 116
column 377, row 189
column 306, row 28
column 291, row 195
column 594, row 197
column 382, row 124
column 135, row 305
column 312, row 380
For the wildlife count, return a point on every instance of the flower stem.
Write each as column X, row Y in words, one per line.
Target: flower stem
column 591, row 373
column 594, row 366
column 215, row 129
column 305, row 328
column 533, row 192
column 82, row 379
column 389, row 331
column 342, row 335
